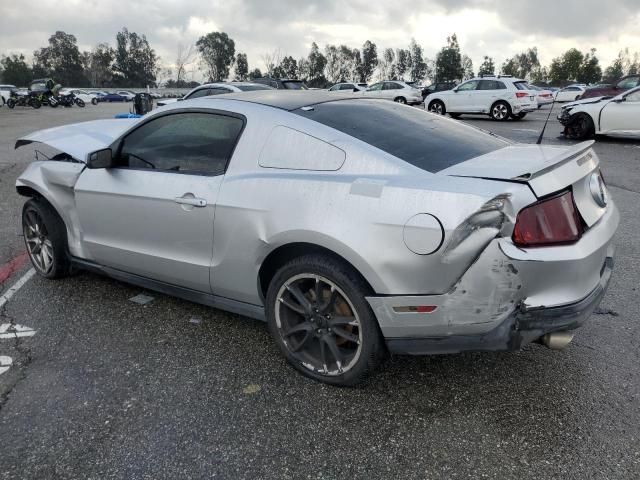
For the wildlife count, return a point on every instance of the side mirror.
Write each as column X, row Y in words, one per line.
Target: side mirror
column 101, row 159
column 180, row 99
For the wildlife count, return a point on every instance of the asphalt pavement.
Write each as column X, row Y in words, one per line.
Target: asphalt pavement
column 100, row 387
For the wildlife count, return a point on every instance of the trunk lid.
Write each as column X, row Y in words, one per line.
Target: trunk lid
column 80, row 139
column 546, row 169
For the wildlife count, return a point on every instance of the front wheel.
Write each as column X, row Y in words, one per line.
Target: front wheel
column 11, row 103
column 45, row 237
column 581, row 127
column 500, row 111
column 436, row 106
column 323, row 325
column 401, row 100
column 35, row 103
column 94, row 101
column 79, row 102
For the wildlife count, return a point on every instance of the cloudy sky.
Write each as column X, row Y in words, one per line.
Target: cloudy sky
column 496, row 28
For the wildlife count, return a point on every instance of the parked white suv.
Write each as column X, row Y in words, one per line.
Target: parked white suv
column 500, row 97
column 394, row 90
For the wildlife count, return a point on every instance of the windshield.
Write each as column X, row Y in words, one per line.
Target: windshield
column 427, row 141
column 294, row 85
column 250, row 88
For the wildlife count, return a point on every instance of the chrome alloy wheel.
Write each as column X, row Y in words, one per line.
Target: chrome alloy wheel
column 500, row 111
column 38, row 243
column 436, row 107
column 318, row 324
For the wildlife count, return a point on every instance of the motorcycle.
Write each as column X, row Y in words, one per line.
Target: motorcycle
column 69, row 100
column 23, row 100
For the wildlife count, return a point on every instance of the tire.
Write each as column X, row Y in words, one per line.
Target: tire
column 436, row 106
column 45, row 237
column 94, row 101
column 455, row 115
column 577, row 98
column 35, row 103
column 11, row 103
column 518, row 116
column 327, row 348
column 401, row 100
column 500, row 111
column 581, row 127
column 79, row 102
column 53, row 103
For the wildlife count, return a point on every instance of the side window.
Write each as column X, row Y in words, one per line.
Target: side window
column 628, row 83
column 391, row 86
column 346, row 86
column 274, row 84
column 203, row 92
column 468, row 86
column 487, row 85
column 334, row 88
column 633, row 97
column 218, row 91
column 375, row 87
column 195, row 143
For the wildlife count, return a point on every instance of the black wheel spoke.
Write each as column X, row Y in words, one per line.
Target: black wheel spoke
column 346, row 335
column 335, row 351
column 318, row 291
column 301, row 327
column 323, row 356
column 300, row 298
column 291, row 306
column 308, row 336
column 338, row 321
column 331, row 301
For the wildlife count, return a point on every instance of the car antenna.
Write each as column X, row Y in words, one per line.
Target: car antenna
column 544, row 127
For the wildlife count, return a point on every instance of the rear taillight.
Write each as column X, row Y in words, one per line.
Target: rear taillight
column 521, row 94
column 549, row 222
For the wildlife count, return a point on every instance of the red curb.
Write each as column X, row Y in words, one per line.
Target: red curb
column 12, row 266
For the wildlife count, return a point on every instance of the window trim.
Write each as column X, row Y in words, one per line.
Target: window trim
column 118, row 144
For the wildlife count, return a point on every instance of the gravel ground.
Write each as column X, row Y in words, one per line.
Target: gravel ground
column 109, row 389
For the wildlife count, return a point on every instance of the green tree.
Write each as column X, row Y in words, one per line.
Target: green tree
column 135, row 63
column 255, row 73
column 242, row 67
column 317, row 63
column 347, row 63
column 449, row 61
column 567, row 66
column 590, row 71
column 99, row 69
column 332, row 66
column 16, row 71
column 386, row 64
column 419, row 67
column 523, row 64
column 289, row 67
column 369, row 61
column 217, row 51
column 60, row 60
column 402, row 63
column 487, row 67
column 467, row 66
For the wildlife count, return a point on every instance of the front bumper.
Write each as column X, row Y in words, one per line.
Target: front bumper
column 521, row 327
column 564, row 117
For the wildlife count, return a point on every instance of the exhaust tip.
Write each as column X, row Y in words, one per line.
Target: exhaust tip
column 557, row 340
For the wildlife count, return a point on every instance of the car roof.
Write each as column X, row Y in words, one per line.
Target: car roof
column 283, row 99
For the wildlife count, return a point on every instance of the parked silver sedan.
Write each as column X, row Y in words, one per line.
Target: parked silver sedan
column 353, row 226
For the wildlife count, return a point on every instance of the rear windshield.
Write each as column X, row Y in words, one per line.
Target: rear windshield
column 295, row 86
column 425, row 140
column 250, row 88
column 521, row 85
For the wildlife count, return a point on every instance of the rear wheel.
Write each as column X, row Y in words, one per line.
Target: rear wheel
column 35, row 103
column 11, row 103
column 436, row 106
column 581, row 127
column 79, row 102
column 45, row 237
column 400, row 100
column 319, row 318
column 500, row 111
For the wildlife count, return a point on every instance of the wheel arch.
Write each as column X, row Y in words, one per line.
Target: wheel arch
column 282, row 254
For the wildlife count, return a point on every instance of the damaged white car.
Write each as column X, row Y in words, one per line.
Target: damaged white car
column 352, row 226
column 616, row 116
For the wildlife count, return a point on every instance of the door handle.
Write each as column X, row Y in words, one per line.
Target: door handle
column 193, row 201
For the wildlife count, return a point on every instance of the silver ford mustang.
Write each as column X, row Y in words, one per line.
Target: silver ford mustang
column 354, row 227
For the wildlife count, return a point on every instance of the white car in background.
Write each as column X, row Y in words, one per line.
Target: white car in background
column 84, row 95
column 129, row 95
column 543, row 96
column 345, row 87
column 618, row 116
column 500, row 97
column 570, row 93
column 217, row 89
column 5, row 93
column 394, row 90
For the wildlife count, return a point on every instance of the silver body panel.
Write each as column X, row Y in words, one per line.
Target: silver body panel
column 345, row 196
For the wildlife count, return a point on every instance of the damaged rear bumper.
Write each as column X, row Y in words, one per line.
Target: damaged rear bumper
column 520, row 328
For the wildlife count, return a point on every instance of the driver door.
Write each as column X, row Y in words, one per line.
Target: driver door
column 152, row 214
column 622, row 117
column 461, row 99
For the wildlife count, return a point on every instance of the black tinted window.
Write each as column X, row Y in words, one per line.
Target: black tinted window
column 250, row 88
column 521, row 85
column 203, row 92
column 295, row 86
column 427, row 141
column 491, row 85
column 199, row 143
column 218, row 91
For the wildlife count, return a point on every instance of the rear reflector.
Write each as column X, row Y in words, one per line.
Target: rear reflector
column 554, row 221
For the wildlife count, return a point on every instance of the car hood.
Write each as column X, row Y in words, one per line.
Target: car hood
column 546, row 169
column 79, row 139
column 586, row 101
